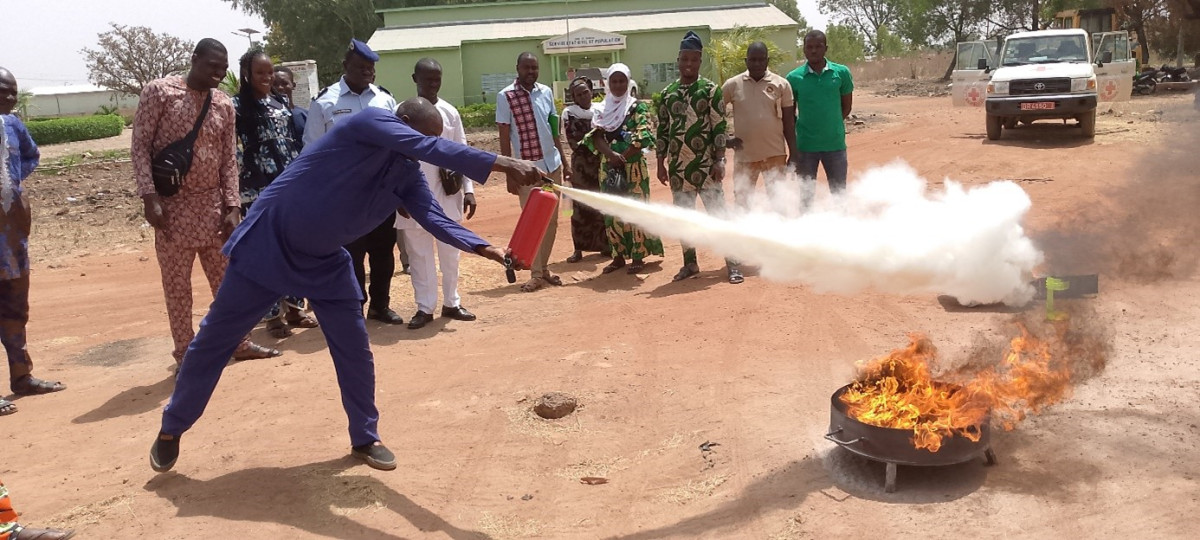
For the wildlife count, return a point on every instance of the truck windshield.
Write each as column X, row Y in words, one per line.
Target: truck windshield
column 1045, row 50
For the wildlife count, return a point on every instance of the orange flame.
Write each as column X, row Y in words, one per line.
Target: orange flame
column 899, row 391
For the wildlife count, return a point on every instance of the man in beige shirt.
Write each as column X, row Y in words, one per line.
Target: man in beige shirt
column 764, row 119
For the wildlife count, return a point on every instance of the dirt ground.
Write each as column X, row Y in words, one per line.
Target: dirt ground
column 659, row 369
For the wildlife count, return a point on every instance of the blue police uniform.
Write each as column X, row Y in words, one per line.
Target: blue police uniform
column 291, row 244
column 335, row 104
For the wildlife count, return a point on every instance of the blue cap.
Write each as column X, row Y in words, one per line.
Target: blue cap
column 363, row 50
column 691, row 42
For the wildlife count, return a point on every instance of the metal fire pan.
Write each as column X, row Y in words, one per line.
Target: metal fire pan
column 892, row 445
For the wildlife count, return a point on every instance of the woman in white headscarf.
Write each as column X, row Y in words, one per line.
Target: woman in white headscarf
column 587, row 224
column 622, row 130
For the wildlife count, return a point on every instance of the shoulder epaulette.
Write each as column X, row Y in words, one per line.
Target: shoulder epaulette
column 321, row 93
column 385, row 90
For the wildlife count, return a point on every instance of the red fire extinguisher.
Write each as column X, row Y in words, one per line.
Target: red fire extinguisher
column 531, row 228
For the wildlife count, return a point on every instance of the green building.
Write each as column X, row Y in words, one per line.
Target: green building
column 478, row 44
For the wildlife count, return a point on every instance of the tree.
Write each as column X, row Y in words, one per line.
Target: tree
column 129, row 57
column 867, row 16
column 727, row 52
column 789, row 8
column 846, row 45
column 1173, row 35
column 1138, row 14
column 889, row 45
column 317, row 30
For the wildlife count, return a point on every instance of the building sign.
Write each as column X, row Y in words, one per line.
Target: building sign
column 583, row 40
column 304, row 73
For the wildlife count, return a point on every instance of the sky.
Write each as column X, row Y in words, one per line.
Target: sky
column 41, row 39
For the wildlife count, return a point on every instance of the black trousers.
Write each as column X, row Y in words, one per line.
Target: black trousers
column 379, row 245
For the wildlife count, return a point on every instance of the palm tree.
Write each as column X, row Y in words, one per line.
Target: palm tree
column 727, row 52
column 230, row 83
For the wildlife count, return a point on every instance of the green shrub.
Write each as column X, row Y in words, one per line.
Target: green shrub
column 81, row 128
column 478, row 115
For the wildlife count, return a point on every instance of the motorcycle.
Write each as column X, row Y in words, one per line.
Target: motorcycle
column 1145, row 83
column 1172, row 74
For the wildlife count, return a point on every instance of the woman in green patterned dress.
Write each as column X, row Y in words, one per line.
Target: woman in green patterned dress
column 622, row 130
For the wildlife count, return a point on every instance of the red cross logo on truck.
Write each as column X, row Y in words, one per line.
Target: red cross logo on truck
column 1110, row 89
column 974, row 98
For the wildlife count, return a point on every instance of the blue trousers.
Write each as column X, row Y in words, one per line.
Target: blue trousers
column 238, row 306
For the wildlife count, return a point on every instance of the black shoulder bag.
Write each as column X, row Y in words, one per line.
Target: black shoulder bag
column 452, row 181
column 171, row 164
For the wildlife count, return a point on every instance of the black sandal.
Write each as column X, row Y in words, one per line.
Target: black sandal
column 277, row 329
column 637, row 266
column 575, row 257
column 256, row 352
column 613, row 266
column 29, row 385
column 686, row 272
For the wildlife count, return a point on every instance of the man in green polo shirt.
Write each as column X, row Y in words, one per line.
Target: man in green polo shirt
column 824, row 93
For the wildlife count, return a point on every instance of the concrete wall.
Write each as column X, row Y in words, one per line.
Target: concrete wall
column 394, row 72
column 524, row 10
column 76, row 104
column 464, row 68
column 496, row 57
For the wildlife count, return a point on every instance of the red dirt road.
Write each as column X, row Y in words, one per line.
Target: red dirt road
column 659, row 369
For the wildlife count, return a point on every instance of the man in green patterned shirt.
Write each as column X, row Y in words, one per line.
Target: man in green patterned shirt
column 691, row 145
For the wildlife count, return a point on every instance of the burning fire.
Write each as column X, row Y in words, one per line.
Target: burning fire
column 899, row 391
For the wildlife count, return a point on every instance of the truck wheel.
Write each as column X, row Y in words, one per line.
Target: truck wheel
column 994, row 125
column 1088, row 123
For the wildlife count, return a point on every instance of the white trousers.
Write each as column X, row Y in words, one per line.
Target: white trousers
column 420, row 246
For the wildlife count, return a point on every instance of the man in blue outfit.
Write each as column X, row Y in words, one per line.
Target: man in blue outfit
column 19, row 156
column 290, row 243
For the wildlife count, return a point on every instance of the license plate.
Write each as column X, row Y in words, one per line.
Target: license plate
column 1038, row 106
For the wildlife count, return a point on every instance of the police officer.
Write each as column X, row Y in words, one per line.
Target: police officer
column 354, row 92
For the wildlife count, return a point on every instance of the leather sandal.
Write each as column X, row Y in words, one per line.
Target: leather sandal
column 613, row 266
column 687, row 271
column 277, row 329
column 7, row 407
column 28, row 385
column 26, row 533
column 301, row 320
column 254, row 351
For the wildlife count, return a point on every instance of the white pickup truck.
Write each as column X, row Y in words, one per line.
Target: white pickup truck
column 1047, row 74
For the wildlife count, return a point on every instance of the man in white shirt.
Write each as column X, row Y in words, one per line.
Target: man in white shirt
column 354, row 92
column 456, row 195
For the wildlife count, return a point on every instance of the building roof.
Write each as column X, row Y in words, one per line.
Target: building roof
column 453, row 35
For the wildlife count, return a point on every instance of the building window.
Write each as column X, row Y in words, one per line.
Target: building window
column 661, row 73
column 493, row 83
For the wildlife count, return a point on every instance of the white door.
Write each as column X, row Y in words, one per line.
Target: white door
column 968, row 82
column 1114, row 81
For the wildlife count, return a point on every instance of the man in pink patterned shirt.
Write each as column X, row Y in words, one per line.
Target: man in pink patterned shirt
column 198, row 219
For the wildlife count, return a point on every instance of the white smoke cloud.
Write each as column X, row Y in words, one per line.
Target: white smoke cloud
column 887, row 232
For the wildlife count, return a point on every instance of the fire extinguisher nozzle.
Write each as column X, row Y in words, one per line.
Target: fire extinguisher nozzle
column 508, row 270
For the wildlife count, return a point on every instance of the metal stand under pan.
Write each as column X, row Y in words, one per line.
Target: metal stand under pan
column 894, row 446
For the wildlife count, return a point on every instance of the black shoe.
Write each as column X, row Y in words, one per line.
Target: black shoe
column 386, row 316
column 164, row 452
column 376, row 455
column 420, row 320
column 458, row 313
